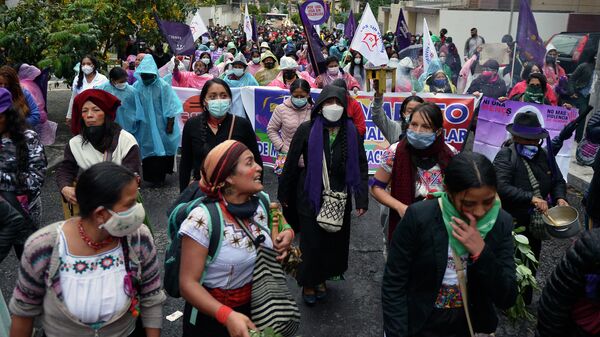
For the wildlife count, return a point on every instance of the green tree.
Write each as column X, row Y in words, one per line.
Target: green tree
column 58, row 33
column 296, row 19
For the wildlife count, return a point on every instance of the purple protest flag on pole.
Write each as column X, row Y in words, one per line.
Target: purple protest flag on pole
column 529, row 43
column 179, row 36
column 314, row 12
column 402, row 33
column 254, row 30
column 350, row 27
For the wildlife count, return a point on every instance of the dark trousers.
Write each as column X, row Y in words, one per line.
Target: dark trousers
column 581, row 103
column 155, row 169
column 536, row 248
column 446, row 323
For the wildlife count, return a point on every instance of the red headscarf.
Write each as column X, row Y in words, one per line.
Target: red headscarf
column 104, row 100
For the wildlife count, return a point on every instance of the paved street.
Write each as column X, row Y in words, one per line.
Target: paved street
column 354, row 305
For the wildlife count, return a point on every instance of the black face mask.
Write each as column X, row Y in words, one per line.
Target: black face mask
column 269, row 65
column 289, row 75
column 95, row 134
column 245, row 210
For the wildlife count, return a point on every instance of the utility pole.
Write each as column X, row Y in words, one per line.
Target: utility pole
column 510, row 21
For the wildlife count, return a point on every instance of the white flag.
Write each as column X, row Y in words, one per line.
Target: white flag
column 197, row 26
column 429, row 52
column 247, row 25
column 368, row 41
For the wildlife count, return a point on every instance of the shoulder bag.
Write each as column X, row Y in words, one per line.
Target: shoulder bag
column 333, row 206
column 271, row 304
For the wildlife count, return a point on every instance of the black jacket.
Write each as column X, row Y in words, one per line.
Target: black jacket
column 291, row 184
column 194, row 149
column 581, row 77
column 495, row 89
column 592, row 200
column 514, row 187
column 566, row 286
column 417, row 262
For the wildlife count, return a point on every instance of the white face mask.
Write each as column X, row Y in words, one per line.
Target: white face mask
column 125, row 223
column 333, row 112
column 87, row 69
column 333, row 71
column 237, row 72
column 205, row 60
column 121, row 86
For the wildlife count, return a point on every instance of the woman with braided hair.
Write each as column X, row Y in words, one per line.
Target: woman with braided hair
column 203, row 132
column 220, row 305
column 330, row 134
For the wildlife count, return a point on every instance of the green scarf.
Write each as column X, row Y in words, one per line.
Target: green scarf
column 534, row 95
column 484, row 225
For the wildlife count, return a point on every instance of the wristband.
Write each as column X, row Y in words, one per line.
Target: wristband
column 223, row 313
column 378, row 183
column 474, row 258
column 291, row 230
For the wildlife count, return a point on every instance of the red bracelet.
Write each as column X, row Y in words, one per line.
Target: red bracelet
column 223, row 313
column 474, row 258
column 291, row 230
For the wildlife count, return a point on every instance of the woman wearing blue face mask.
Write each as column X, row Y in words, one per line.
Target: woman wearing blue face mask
column 414, row 166
column 286, row 118
column 236, row 75
column 119, row 88
column 439, row 83
column 528, row 178
column 216, row 124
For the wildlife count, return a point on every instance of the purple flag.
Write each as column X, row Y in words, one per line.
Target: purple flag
column 315, row 12
column 402, row 33
column 178, row 35
column 315, row 44
column 254, row 30
column 529, row 43
column 350, row 27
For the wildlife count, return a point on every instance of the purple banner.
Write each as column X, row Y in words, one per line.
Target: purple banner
column 350, row 27
column 314, row 41
column 402, row 33
column 315, row 12
column 494, row 116
column 529, row 43
column 179, row 36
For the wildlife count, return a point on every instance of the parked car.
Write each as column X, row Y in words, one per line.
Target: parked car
column 571, row 46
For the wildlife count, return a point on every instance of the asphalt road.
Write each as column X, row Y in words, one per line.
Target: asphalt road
column 353, row 307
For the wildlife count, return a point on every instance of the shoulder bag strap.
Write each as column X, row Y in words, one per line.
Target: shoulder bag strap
column 326, row 186
column 107, row 155
column 535, row 186
column 231, row 127
column 462, row 282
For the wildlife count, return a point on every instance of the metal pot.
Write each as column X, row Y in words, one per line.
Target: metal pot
column 567, row 222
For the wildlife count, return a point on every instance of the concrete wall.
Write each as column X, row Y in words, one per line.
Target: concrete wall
column 579, row 6
column 223, row 15
column 492, row 25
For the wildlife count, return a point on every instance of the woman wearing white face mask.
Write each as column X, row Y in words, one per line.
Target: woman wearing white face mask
column 356, row 68
column 122, row 90
column 236, row 75
column 191, row 79
column 88, row 78
column 95, row 274
column 414, row 166
column 330, row 134
column 216, row 124
column 334, row 72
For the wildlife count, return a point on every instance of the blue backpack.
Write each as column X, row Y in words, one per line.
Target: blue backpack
column 215, row 233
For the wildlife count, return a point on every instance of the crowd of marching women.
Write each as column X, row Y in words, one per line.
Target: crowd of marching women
column 448, row 215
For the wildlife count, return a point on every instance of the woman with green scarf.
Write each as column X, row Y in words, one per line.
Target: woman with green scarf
column 464, row 227
column 535, row 91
